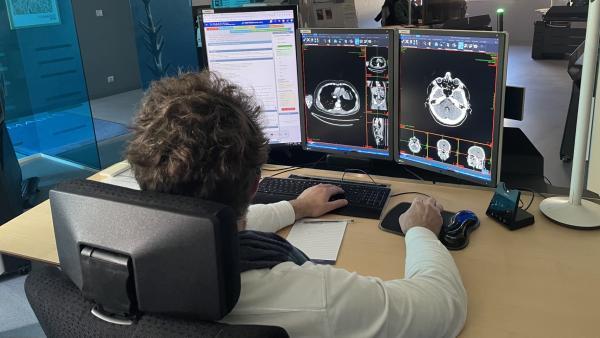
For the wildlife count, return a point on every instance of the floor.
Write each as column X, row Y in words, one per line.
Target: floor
column 118, row 108
column 18, row 320
column 547, row 95
column 547, row 98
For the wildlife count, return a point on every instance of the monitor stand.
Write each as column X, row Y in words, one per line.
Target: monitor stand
column 345, row 163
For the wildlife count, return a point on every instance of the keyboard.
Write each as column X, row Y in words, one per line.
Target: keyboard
column 364, row 200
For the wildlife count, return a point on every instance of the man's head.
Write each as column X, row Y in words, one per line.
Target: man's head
column 199, row 135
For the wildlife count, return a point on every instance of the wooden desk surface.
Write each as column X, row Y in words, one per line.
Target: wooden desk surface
column 541, row 281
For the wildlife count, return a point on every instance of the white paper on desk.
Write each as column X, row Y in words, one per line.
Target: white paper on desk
column 124, row 179
column 320, row 241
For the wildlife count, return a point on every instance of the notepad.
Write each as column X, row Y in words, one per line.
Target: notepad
column 124, row 179
column 320, row 241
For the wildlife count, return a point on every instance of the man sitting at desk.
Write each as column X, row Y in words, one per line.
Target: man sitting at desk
column 198, row 135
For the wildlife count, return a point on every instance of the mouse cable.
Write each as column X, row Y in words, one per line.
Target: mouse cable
column 357, row 171
column 409, row 193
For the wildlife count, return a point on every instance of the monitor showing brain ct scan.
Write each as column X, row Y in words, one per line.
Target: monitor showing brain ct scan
column 347, row 91
column 450, row 95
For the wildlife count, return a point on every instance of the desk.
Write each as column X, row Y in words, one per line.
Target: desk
column 541, row 281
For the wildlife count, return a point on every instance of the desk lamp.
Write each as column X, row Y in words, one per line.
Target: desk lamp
column 573, row 211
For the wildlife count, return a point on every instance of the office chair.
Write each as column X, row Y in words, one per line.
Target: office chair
column 139, row 264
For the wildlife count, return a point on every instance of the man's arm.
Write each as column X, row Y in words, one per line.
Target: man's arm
column 270, row 217
column 313, row 202
column 430, row 302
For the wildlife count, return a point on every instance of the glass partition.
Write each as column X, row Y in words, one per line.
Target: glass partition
column 47, row 107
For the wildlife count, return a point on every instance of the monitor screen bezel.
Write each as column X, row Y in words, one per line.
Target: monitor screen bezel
column 250, row 9
column 391, row 98
column 499, row 102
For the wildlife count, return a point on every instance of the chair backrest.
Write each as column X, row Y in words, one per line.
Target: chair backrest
column 63, row 312
column 133, row 252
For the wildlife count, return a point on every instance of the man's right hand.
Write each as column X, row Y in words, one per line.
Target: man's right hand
column 426, row 213
column 314, row 201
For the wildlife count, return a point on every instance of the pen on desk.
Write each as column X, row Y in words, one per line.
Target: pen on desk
column 327, row 220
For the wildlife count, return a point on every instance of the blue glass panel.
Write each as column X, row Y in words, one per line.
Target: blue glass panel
column 165, row 38
column 47, row 103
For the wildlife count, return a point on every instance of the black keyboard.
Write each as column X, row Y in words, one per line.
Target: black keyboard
column 364, row 200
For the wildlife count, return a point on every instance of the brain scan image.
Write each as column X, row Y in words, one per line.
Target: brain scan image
column 378, row 91
column 443, row 149
column 379, row 127
column 335, row 103
column 377, row 64
column 476, row 158
column 448, row 101
column 414, row 144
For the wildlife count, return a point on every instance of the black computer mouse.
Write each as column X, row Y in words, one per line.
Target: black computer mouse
column 455, row 234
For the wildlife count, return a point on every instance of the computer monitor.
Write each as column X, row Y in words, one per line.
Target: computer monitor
column 450, row 106
column 346, row 83
column 255, row 47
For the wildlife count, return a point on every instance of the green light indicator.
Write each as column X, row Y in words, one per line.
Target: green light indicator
column 500, row 10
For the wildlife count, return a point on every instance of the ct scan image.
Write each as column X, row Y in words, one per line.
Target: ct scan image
column 378, row 95
column 448, row 93
column 414, row 143
column 475, row 156
column 335, row 95
column 376, row 62
column 379, row 128
column 443, row 149
column 346, row 91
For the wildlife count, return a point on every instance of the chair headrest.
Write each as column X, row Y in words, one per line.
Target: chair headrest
column 133, row 251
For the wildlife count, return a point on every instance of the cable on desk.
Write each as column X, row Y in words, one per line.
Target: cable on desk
column 530, row 201
column 285, row 171
column 410, row 193
column 278, row 169
column 357, row 171
column 548, row 180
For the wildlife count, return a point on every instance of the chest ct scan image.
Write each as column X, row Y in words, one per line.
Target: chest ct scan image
column 335, row 103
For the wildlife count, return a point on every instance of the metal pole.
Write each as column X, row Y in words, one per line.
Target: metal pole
column 588, row 81
column 410, row 12
column 573, row 211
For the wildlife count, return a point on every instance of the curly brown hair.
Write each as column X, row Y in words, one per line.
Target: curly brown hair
column 198, row 135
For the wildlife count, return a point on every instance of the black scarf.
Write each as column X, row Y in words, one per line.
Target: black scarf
column 260, row 250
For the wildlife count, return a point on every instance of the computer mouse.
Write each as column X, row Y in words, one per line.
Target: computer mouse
column 455, row 234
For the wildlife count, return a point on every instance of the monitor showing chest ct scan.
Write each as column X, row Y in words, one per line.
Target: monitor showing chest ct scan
column 347, row 91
